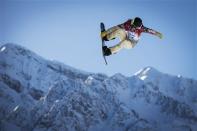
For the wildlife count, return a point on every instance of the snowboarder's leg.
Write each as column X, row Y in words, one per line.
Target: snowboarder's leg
column 116, row 32
column 122, row 44
column 110, row 33
column 121, row 34
column 128, row 44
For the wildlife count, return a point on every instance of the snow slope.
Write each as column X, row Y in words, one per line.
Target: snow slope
column 42, row 95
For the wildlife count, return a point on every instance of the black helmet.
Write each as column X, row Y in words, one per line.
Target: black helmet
column 137, row 22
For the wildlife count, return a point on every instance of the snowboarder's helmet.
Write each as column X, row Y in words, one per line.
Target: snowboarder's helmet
column 137, row 22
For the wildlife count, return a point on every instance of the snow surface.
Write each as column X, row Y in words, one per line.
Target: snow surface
column 2, row 49
column 42, row 95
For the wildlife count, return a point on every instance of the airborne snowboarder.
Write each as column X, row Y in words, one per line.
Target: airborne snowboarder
column 128, row 32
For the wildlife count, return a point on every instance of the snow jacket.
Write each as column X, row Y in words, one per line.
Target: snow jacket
column 134, row 33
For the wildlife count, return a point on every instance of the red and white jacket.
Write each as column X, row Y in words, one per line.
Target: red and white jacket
column 134, row 33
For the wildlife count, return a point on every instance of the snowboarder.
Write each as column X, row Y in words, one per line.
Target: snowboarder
column 129, row 33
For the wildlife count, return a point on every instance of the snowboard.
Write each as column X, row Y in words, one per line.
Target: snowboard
column 102, row 26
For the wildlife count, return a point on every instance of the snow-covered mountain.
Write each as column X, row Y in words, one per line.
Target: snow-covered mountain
column 42, row 95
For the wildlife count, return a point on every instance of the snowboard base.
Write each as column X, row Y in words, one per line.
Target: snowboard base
column 102, row 26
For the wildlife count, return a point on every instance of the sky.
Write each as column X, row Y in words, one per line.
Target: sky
column 68, row 31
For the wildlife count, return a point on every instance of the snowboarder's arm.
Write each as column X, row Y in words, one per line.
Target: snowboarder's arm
column 151, row 31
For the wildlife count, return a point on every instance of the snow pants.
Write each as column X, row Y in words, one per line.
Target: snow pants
column 115, row 32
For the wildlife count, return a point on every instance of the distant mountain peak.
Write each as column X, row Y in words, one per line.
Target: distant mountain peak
column 12, row 46
column 148, row 72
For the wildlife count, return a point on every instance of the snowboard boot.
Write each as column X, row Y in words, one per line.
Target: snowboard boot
column 106, row 51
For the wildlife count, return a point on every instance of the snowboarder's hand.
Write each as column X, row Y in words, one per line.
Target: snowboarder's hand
column 159, row 35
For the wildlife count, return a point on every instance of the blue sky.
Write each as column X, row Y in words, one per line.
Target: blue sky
column 68, row 31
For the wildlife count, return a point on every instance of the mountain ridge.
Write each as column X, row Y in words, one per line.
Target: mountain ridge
column 42, row 95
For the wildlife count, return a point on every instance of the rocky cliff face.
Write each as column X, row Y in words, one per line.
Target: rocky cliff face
column 41, row 95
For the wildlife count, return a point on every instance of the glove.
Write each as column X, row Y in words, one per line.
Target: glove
column 159, row 35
